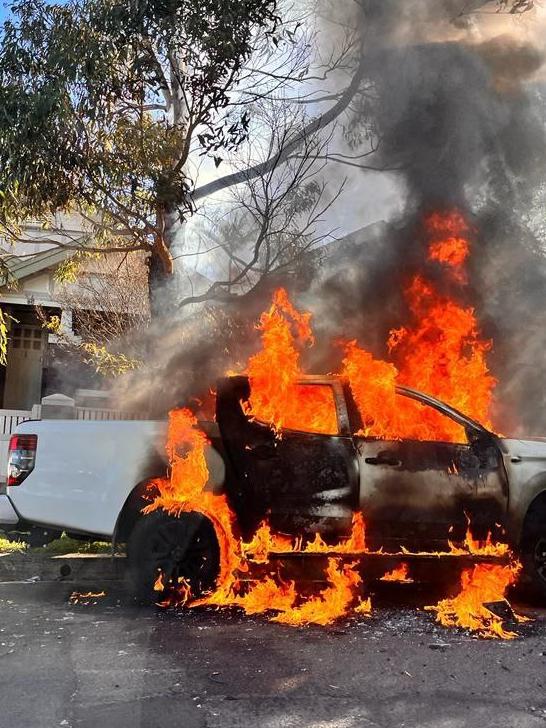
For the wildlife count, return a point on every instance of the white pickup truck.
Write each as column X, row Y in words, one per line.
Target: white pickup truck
column 89, row 479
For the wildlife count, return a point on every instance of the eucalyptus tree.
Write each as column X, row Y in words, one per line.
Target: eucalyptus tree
column 101, row 102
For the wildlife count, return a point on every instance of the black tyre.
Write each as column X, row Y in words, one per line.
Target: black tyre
column 182, row 546
column 533, row 554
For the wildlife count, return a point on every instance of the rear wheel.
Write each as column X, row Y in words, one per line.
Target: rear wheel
column 181, row 547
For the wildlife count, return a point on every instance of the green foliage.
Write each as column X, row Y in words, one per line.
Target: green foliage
column 62, row 545
column 53, row 324
column 7, row 546
column 67, row 271
column 67, row 545
column 106, row 362
column 101, row 99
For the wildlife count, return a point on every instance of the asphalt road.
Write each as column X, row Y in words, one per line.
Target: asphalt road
column 109, row 664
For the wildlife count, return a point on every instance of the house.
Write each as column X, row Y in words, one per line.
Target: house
column 29, row 281
column 38, row 364
column 109, row 295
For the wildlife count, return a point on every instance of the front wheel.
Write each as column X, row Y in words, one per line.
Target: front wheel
column 179, row 548
column 533, row 556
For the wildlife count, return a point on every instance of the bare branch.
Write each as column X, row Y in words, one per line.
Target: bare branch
column 296, row 141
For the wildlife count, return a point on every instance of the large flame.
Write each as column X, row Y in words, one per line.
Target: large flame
column 439, row 351
column 333, row 602
column 184, row 490
column 273, row 373
column 267, row 595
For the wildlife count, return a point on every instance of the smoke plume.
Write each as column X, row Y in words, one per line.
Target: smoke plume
column 463, row 123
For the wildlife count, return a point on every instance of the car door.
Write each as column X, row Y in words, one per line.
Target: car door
column 420, row 493
column 302, row 481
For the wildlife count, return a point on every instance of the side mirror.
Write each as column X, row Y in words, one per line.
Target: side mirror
column 478, row 438
column 483, row 447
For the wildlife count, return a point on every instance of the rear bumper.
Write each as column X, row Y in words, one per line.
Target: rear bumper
column 8, row 514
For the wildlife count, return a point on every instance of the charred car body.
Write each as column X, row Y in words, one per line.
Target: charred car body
column 413, row 494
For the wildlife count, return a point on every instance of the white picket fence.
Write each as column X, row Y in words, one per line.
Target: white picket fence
column 9, row 419
column 93, row 413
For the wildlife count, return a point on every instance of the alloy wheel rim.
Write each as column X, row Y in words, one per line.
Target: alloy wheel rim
column 182, row 552
column 540, row 557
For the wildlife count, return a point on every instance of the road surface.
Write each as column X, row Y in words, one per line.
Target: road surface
column 109, row 664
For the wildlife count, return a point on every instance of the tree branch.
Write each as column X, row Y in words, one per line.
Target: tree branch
column 284, row 154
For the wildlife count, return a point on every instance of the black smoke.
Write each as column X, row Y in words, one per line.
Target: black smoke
column 463, row 125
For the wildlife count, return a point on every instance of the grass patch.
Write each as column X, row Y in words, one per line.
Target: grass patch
column 67, row 545
column 62, row 545
column 7, row 546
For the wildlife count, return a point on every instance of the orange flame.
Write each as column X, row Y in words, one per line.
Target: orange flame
column 479, row 548
column 448, row 245
column 332, row 602
column 273, row 373
column 179, row 494
column 85, row 597
column 264, row 542
column 481, row 584
column 268, row 595
column 185, row 490
column 364, row 606
column 399, row 573
column 441, row 352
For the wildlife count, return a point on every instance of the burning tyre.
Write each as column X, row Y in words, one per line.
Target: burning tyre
column 180, row 550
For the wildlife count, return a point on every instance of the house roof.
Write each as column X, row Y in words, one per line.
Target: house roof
column 20, row 268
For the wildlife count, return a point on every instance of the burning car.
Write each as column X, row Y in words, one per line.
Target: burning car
column 240, row 490
column 416, row 498
column 358, row 468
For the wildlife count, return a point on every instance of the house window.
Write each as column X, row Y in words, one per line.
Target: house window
column 26, row 338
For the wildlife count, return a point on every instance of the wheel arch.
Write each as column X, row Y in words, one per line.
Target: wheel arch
column 132, row 510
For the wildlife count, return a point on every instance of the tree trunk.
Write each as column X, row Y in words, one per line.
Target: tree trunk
column 161, row 283
column 160, row 270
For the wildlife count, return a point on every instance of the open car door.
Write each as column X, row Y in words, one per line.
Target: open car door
column 302, row 481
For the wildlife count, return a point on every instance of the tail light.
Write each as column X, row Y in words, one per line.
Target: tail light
column 21, row 457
